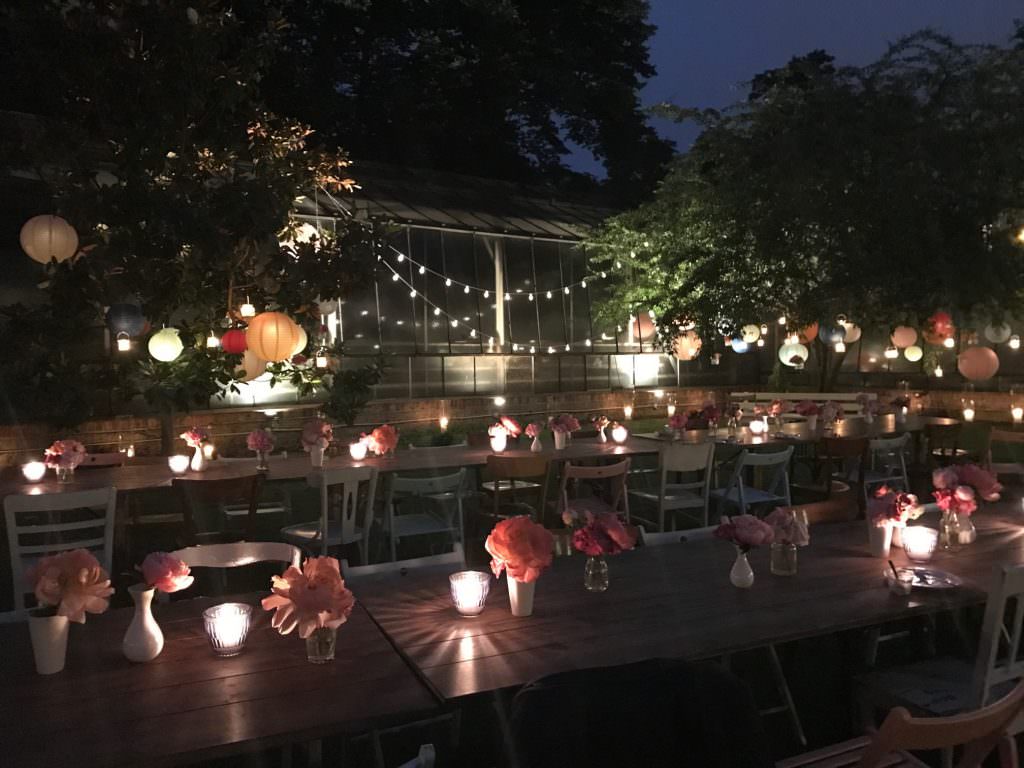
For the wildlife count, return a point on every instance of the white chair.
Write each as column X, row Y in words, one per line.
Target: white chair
column 444, row 493
column 455, row 558
column 343, row 520
column 692, row 495
column 660, row 539
column 58, row 518
column 775, row 466
column 425, row 759
column 618, row 490
column 887, row 464
column 239, row 553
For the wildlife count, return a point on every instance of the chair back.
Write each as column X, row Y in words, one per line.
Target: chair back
column 775, row 467
column 1008, row 438
column 239, row 553
column 425, row 758
column 889, row 455
column 616, row 475
column 979, row 732
column 686, row 457
column 454, row 558
column 999, row 659
column 840, row 450
column 943, row 440
column 114, row 459
column 421, row 486
column 57, row 522
column 339, row 500
column 194, row 493
column 532, row 468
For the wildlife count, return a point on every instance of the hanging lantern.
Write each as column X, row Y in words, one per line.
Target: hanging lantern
column 739, row 346
column 1014, row 342
column 832, row 334
column 126, row 318
column 643, row 326
column 47, row 238
column 124, row 342
column 913, row 353
column 233, row 341
column 272, row 336
column 978, row 363
column 903, row 336
column 251, row 367
column 997, row 334
column 686, row 346
column 326, row 307
column 247, row 309
column 165, row 345
column 750, row 333
column 301, row 343
column 809, row 333
column 852, row 331
column 794, row 355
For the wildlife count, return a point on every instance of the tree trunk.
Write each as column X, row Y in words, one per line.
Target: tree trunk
column 167, row 414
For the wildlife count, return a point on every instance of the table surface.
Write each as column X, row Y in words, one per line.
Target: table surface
column 674, row 600
column 188, row 704
column 137, row 476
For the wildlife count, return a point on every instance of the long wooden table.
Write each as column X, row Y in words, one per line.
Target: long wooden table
column 674, row 601
column 188, row 704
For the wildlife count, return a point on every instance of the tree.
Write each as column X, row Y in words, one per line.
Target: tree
column 882, row 193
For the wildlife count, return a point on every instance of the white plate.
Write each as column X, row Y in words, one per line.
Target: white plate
column 930, row 578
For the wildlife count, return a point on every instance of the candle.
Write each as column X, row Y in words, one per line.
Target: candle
column 659, row 393
column 627, row 411
column 130, row 453
column 357, row 450
column 227, row 626
column 919, row 542
column 34, row 471
column 499, row 441
column 443, row 423
column 619, row 433
column 208, row 450
column 1018, row 414
column 469, row 591
column 968, row 413
column 671, row 408
column 757, row 427
column 321, row 361
column 178, row 464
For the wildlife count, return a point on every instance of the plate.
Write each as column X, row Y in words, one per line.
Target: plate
column 930, row 578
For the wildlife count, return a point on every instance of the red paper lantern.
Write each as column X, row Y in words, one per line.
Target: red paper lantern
column 809, row 334
column 978, row 363
column 233, row 342
column 938, row 328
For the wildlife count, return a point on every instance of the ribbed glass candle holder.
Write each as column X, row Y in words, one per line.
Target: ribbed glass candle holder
column 469, row 591
column 227, row 626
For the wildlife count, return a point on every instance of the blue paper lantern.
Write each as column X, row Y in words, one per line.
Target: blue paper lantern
column 832, row 334
column 739, row 345
column 126, row 318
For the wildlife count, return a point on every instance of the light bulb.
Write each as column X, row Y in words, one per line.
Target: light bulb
column 448, row 283
column 124, row 343
column 938, row 372
column 412, row 294
column 949, row 342
column 567, row 348
column 530, row 297
column 499, row 401
column 443, row 423
column 583, row 283
column 1018, row 414
column 1015, row 342
column 212, row 342
column 891, row 353
column 401, row 258
column 588, row 342
column 549, row 294
column 567, row 290
column 394, row 277
column 840, row 346
column 423, row 270
column 533, row 350
column 487, row 294
column 466, row 289
column 627, row 411
column 782, row 319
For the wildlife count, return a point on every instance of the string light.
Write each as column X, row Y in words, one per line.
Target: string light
column 394, row 277
column 423, row 270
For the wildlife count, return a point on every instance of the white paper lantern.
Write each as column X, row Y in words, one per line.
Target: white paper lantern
column 997, row 334
column 272, row 336
column 913, row 353
column 793, row 355
column 165, row 345
column 46, row 238
column 326, row 306
column 852, row 332
column 301, row 343
column 252, row 367
column 750, row 333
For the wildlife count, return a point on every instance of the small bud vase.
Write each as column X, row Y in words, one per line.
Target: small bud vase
column 520, row 596
column 65, row 474
column 198, row 463
column 595, row 574
column 49, row 633
column 601, row 436
column 561, row 440
column 144, row 640
column 812, row 422
column 741, row 575
column 316, row 456
column 320, row 645
column 536, row 445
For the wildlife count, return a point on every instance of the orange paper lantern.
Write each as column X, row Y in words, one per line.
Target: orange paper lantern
column 272, row 336
column 686, row 346
column 643, row 327
column 903, row 336
column 809, row 334
column 978, row 363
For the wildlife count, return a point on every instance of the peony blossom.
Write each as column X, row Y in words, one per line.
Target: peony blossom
column 745, row 531
column 710, row 412
column 807, row 408
column 788, row 527
column 890, row 507
column 511, row 426
column 677, row 421
column 309, row 599
column 194, row 436
column 64, row 453
column 316, row 433
column 74, row 582
column 382, row 440
column 564, row 423
column 603, row 534
column 600, row 422
column 831, row 411
column 534, row 429
column 522, row 547
column 944, row 478
column 959, row 500
column 260, row 440
column 985, row 483
column 166, row 573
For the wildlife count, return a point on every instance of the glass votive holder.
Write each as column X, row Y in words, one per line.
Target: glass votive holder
column 919, row 542
column 357, row 450
column 499, row 441
column 33, row 471
column 178, row 464
column 469, row 591
column 619, row 434
column 227, row 626
column 902, row 582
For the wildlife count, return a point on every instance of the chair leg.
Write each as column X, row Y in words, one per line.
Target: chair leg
column 391, row 533
column 783, row 685
column 1008, row 752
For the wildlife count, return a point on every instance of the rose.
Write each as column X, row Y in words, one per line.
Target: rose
column 604, row 534
column 511, row 426
column 166, row 572
column 944, row 478
column 807, row 408
column 745, row 531
column 194, row 436
column 74, row 582
column 984, row 482
column 311, row 598
column 522, row 547
column 534, row 429
column 260, row 440
column 65, row 453
column 677, row 421
column 316, row 433
column 788, row 528
column 382, row 440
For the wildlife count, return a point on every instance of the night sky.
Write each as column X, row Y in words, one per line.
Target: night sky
column 705, row 50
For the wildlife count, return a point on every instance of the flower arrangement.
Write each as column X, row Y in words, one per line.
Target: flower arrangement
column 316, row 433
column 260, row 440
column 67, row 454
column 165, row 572
column 382, row 440
column 787, row 528
column 831, row 412
column 807, row 408
column 733, row 411
column 710, row 412
column 960, row 500
column 985, row 484
column 678, row 421
column 73, row 582
column 533, row 429
column 745, row 531
column 565, row 423
column 779, row 407
column 903, row 401
column 520, row 546
column 511, row 426
column 602, row 534
column 309, row 599
column 889, row 507
column 194, row 437
column 600, row 422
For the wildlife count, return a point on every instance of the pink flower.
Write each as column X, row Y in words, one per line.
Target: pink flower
column 677, row 421
column 64, row 453
column 564, row 423
column 788, row 528
column 260, row 440
column 316, row 434
column 807, row 408
column 311, row 598
column 831, row 412
column 382, row 440
column 890, row 507
column 944, row 478
column 194, row 436
column 511, row 426
column 604, row 534
column 521, row 546
column 600, row 421
column 534, row 429
column 166, row 573
column 984, row 482
column 710, row 412
column 74, row 582
column 745, row 531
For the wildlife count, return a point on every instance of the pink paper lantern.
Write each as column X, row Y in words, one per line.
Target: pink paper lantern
column 903, row 336
column 978, row 363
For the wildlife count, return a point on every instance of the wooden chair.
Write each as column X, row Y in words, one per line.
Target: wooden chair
column 443, row 493
column 618, row 496
column 344, row 518
column 239, row 553
column 943, row 441
column 888, row 464
column 425, row 758
column 980, row 733
column 841, row 466
column 675, row 459
column 1007, row 438
column 455, row 558
column 57, row 522
column 198, row 495
column 512, row 474
column 775, row 491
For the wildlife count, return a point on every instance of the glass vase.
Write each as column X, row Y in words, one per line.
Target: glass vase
column 949, row 531
column 595, row 574
column 65, row 474
column 967, row 532
column 783, row 559
column 320, row 645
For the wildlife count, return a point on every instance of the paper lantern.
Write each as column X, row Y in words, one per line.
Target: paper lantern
column 326, row 307
column 252, row 366
column 301, row 343
column 739, row 346
column 793, row 355
column 832, row 334
column 809, row 334
column 903, row 336
column 938, row 328
column 126, row 318
column 852, row 332
column 165, row 345
column 272, row 336
column 643, row 327
column 686, row 345
column 997, row 334
column 978, row 363
column 750, row 333
column 913, row 353
column 233, row 341
column 46, row 238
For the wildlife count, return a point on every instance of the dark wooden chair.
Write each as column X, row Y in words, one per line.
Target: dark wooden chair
column 943, row 441
column 516, row 476
column 197, row 495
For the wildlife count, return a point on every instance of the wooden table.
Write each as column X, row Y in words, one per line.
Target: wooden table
column 188, row 704
column 671, row 601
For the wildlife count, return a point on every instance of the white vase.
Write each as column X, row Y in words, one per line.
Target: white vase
column 520, row 596
column 741, row 575
column 198, row 463
column 536, row 446
column 499, row 442
column 49, row 642
column 561, row 439
column 143, row 641
column 601, row 436
column 879, row 539
column 812, row 422
column 316, row 456
column 897, row 535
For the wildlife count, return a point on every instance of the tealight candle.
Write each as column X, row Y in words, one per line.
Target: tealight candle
column 627, row 411
column 968, row 413
column 227, row 626
column 919, row 542
column 671, row 408
column 178, row 464
column 208, row 450
column 1018, row 414
column 357, row 450
column 443, row 423
column 34, row 471
column 130, row 453
column 469, row 591
column 619, row 434
column 757, row 427
column 499, row 441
